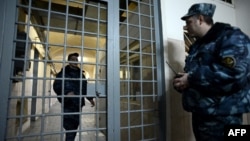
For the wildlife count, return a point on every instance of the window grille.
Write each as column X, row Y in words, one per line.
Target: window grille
column 228, row 1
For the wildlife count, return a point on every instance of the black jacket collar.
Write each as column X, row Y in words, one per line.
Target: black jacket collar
column 216, row 30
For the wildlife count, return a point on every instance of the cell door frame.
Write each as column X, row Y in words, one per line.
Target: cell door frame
column 113, row 87
column 7, row 30
column 113, row 76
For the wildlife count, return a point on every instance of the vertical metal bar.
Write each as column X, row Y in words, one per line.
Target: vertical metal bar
column 22, row 99
column 113, row 87
column 82, row 54
column 7, row 31
column 47, row 45
column 141, row 69
column 64, row 59
column 160, row 70
column 128, row 73
column 155, row 96
column 2, row 19
column 44, row 80
column 152, row 48
column 97, row 63
column 34, row 86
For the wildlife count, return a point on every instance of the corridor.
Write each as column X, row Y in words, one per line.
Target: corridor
column 52, row 127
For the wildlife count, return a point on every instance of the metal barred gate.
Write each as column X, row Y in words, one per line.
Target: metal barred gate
column 120, row 54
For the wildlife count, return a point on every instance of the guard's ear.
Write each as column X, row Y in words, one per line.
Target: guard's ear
column 201, row 19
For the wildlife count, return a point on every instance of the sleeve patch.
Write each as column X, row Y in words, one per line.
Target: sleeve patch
column 229, row 61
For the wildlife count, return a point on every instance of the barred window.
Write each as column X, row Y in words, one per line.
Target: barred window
column 228, row 1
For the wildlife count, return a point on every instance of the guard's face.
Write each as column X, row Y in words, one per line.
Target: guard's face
column 74, row 59
column 192, row 26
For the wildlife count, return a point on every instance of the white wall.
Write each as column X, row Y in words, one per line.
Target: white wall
column 173, row 10
column 242, row 15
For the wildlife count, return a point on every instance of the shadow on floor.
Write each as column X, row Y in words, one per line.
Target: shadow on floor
column 48, row 128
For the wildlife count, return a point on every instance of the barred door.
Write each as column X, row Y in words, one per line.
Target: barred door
column 118, row 53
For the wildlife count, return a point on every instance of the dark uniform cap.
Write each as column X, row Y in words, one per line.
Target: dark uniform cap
column 73, row 54
column 206, row 9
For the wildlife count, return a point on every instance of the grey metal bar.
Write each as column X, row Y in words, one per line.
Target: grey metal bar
column 113, row 69
column 7, row 29
column 141, row 69
column 2, row 19
column 160, row 70
column 113, row 87
column 34, row 87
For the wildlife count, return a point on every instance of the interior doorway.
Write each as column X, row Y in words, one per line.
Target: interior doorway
column 119, row 53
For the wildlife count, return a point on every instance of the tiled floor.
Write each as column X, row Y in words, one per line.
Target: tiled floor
column 49, row 128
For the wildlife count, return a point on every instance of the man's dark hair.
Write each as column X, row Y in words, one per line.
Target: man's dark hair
column 209, row 20
column 72, row 54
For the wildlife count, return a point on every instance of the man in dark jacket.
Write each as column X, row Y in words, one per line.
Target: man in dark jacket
column 71, row 85
column 215, row 83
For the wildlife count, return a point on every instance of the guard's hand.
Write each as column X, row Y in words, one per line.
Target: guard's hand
column 70, row 93
column 92, row 103
column 180, row 82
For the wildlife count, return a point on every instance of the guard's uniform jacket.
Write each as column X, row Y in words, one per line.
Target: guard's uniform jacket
column 219, row 73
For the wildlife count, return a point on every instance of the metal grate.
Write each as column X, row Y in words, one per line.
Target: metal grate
column 47, row 31
column 120, row 53
column 138, row 81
